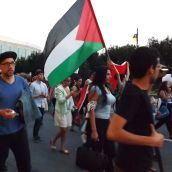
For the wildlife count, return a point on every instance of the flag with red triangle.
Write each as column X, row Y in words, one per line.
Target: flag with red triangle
column 122, row 69
column 82, row 97
column 74, row 38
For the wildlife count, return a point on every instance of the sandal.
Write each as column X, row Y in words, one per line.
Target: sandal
column 152, row 169
column 52, row 146
column 65, row 151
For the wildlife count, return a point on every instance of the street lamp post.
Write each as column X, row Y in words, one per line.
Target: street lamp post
column 136, row 36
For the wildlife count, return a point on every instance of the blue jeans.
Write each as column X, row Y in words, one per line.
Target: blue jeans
column 18, row 143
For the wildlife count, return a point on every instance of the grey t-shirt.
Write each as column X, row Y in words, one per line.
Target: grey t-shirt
column 103, row 111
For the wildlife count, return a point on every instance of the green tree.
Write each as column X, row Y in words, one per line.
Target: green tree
column 165, row 49
column 116, row 53
column 120, row 54
column 30, row 64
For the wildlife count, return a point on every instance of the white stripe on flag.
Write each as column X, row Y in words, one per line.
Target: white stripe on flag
column 62, row 51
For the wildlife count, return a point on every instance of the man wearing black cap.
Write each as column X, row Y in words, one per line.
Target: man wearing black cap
column 12, row 129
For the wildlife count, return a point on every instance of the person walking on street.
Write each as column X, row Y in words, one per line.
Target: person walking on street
column 62, row 116
column 13, row 133
column 132, row 125
column 39, row 92
column 165, row 97
column 100, row 101
column 76, row 113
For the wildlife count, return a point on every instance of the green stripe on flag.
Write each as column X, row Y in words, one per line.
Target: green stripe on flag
column 72, row 63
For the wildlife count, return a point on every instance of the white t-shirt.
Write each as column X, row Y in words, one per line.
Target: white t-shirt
column 37, row 88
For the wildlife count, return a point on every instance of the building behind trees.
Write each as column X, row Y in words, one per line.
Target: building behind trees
column 22, row 49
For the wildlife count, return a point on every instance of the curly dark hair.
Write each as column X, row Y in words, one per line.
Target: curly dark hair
column 141, row 60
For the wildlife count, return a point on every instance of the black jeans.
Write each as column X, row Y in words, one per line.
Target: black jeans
column 105, row 145
column 37, row 124
column 5, row 153
column 18, row 143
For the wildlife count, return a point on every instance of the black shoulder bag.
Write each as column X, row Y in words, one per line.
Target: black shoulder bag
column 88, row 159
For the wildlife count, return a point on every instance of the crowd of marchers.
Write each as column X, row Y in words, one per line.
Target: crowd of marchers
column 121, row 122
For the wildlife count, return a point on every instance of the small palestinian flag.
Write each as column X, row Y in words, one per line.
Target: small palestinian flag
column 71, row 41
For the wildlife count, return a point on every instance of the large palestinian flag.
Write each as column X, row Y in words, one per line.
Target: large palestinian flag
column 71, row 41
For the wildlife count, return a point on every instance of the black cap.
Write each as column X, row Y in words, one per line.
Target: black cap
column 38, row 71
column 8, row 54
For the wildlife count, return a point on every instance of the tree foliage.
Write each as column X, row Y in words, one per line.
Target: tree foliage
column 116, row 53
column 121, row 54
column 33, row 62
column 165, row 49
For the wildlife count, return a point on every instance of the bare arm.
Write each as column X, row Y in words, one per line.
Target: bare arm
column 163, row 96
column 94, row 135
column 117, row 75
column 128, row 72
column 117, row 132
column 109, row 63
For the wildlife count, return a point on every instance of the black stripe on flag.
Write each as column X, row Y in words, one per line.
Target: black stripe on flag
column 63, row 27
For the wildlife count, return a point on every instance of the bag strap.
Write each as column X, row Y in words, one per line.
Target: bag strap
column 157, row 151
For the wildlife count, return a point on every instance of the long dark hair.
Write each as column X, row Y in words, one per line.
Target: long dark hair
column 100, row 80
column 163, row 87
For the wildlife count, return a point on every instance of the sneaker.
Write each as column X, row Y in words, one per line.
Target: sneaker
column 3, row 169
column 37, row 139
column 155, row 157
column 52, row 145
column 72, row 130
column 84, row 138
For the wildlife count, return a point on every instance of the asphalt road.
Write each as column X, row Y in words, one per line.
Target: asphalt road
column 45, row 160
column 42, row 157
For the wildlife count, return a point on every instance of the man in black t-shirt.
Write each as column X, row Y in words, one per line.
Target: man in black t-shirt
column 132, row 126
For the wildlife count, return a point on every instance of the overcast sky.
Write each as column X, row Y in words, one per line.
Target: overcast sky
column 31, row 20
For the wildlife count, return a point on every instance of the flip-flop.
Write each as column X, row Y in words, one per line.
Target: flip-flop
column 65, row 152
column 52, row 146
column 152, row 169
